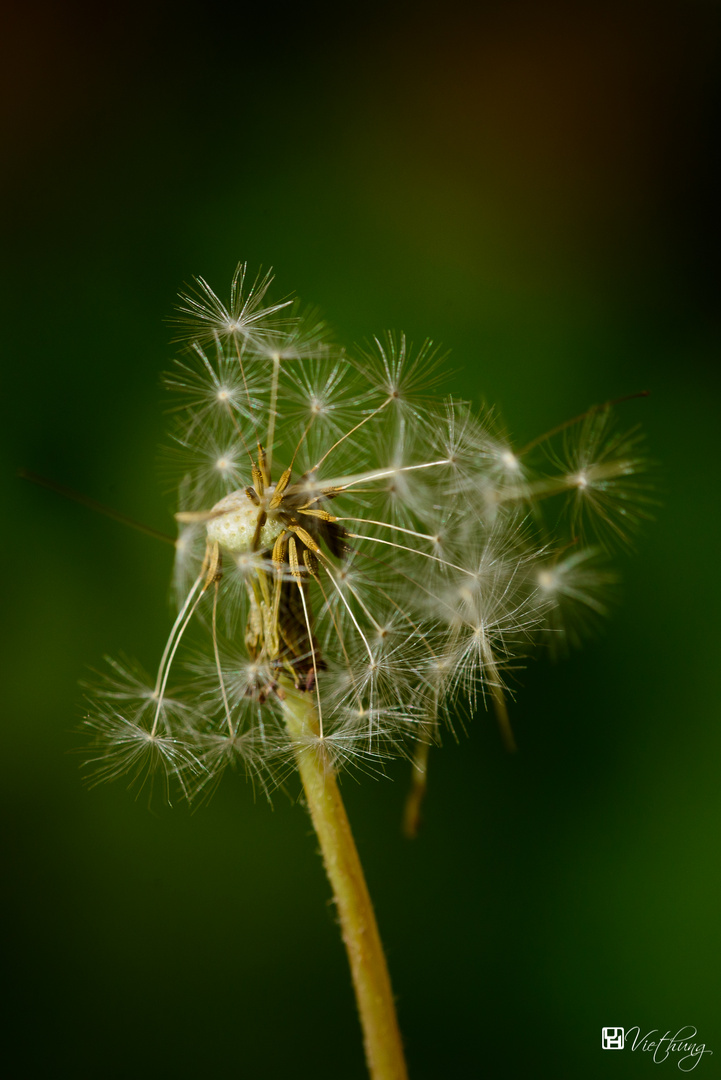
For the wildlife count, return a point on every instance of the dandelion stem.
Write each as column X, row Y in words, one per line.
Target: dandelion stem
column 338, row 589
column 412, row 551
column 417, row 793
column 218, row 665
column 344, row 482
column 272, row 411
column 171, row 635
column 374, row 997
column 388, row 525
column 495, row 689
column 169, row 656
column 312, row 653
column 352, row 430
column 245, row 382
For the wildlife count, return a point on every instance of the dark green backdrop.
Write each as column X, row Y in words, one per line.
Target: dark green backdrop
column 532, row 185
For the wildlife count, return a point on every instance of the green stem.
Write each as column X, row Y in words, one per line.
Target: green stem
column 417, row 793
column 381, row 1036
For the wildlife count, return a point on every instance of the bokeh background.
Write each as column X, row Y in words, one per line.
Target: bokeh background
column 532, row 184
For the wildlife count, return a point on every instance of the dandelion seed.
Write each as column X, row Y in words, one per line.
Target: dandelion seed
column 213, row 391
column 579, row 588
column 202, row 316
column 126, row 748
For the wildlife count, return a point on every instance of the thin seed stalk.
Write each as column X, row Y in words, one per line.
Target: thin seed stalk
column 371, row 982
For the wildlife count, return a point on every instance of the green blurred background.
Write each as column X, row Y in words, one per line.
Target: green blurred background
column 531, row 184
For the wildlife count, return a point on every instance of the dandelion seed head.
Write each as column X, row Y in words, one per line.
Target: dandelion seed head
column 350, row 539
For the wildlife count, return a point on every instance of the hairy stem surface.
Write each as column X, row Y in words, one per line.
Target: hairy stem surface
column 381, row 1036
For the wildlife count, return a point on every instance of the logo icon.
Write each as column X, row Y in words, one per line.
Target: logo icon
column 612, row 1038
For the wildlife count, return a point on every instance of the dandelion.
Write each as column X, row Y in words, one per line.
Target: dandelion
column 358, row 560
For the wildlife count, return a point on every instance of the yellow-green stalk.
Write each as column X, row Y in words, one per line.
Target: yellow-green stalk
column 371, row 982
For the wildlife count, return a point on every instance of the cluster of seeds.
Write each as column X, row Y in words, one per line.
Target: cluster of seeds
column 346, row 534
